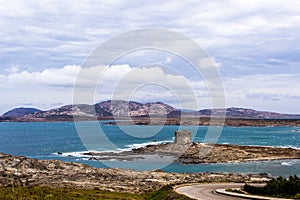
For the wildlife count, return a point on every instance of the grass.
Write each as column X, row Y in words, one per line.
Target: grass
column 46, row 193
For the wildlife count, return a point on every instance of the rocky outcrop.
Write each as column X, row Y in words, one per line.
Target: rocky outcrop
column 185, row 151
column 220, row 153
column 22, row 171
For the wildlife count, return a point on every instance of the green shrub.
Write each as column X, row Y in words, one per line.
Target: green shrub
column 297, row 196
column 277, row 187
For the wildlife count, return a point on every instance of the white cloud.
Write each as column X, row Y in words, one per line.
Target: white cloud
column 55, row 86
column 13, row 69
column 255, row 42
column 64, row 32
column 60, row 77
column 277, row 92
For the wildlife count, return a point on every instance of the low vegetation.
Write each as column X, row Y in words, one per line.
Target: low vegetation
column 47, row 193
column 278, row 187
column 167, row 193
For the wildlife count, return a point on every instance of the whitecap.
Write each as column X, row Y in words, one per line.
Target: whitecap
column 287, row 163
column 140, row 145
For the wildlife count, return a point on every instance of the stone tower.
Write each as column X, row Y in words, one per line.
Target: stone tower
column 183, row 137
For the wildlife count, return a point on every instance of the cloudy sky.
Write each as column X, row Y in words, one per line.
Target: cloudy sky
column 255, row 45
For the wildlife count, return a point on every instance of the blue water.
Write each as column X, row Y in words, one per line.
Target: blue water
column 43, row 140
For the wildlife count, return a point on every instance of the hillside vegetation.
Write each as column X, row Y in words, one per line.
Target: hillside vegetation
column 278, row 187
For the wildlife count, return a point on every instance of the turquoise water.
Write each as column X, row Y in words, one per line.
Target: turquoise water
column 44, row 140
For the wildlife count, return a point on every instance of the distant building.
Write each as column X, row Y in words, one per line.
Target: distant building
column 183, row 137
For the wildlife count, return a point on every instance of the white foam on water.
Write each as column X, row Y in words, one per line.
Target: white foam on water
column 288, row 163
column 84, row 154
column 140, row 145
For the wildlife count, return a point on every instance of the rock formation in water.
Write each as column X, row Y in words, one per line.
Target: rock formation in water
column 185, row 151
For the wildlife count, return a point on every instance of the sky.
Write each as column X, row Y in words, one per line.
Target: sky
column 255, row 45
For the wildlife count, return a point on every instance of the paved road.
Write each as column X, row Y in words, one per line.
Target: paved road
column 205, row 191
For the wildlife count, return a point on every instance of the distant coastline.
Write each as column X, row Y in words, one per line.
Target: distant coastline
column 153, row 113
column 206, row 121
column 145, row 121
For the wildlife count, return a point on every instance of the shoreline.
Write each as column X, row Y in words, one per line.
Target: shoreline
column 196, row 153
column 23, row 171
column 156, row 121
column 207, row 121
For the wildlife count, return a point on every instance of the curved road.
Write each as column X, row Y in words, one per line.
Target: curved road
column 205, row 191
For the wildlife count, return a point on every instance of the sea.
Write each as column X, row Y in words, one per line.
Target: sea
column 67, row 141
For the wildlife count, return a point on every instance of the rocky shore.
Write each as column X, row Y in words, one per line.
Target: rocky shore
column 221, row 153
column 185, row 151
column 195, row 153
column 23, row 171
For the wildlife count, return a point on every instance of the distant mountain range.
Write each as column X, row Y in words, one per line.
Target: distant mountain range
column 118, row 108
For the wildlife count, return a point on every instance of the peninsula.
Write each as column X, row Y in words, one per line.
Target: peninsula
column 185, row 151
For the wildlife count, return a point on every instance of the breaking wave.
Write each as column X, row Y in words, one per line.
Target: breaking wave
column 129, row 147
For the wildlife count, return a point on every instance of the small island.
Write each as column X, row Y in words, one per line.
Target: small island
column 185, row 151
